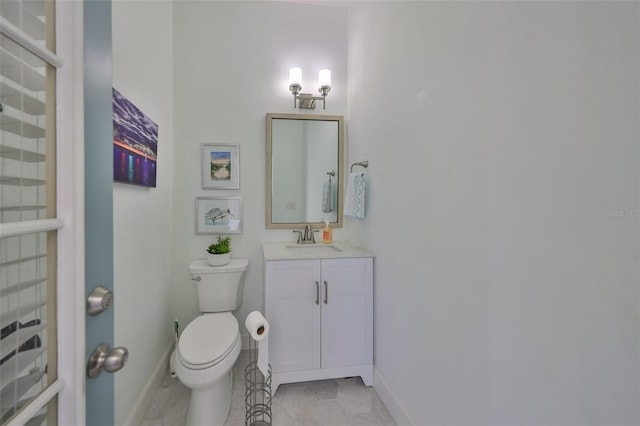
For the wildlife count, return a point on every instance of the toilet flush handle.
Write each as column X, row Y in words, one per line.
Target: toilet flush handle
column 198, row 278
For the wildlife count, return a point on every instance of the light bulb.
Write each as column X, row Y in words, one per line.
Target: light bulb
column 325, row 77
column 295, row 76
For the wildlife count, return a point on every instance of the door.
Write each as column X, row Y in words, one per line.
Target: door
column 41, row 215
column 347, row 312
column 292, row 307
column 98, row 154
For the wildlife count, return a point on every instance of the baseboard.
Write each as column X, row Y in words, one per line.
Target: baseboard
column 153, row 383
column 395, row 409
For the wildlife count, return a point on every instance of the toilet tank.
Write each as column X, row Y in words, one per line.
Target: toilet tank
column 219, row 287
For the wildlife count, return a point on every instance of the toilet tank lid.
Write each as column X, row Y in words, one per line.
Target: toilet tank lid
column 235, row 265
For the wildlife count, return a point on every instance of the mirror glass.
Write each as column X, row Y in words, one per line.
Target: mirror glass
column 305, row 155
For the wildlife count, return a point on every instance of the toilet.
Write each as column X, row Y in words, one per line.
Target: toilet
column 210, row 345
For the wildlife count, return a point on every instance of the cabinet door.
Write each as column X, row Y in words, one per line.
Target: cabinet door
column 293, row 311
column 347, row 312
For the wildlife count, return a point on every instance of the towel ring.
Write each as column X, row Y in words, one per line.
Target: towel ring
column 364, row 164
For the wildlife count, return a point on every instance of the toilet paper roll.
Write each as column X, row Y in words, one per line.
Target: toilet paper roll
column 258, row 328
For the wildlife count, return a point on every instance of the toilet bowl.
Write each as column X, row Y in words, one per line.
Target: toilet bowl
column 207, row 350
column 210, row 344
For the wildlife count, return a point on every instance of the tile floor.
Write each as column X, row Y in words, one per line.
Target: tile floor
column 339, row 402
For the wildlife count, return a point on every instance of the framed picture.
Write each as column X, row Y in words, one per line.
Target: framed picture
column 220, row 166
column 219, row 215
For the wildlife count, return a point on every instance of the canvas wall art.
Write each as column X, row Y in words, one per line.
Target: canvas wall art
column 135, row 144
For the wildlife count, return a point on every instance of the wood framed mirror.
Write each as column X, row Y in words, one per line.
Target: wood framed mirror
column 305, row 164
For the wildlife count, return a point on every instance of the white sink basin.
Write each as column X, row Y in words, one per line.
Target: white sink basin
column 312, row 249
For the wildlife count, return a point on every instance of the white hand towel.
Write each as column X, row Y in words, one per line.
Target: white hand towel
column 327, row 197
column 354, row 200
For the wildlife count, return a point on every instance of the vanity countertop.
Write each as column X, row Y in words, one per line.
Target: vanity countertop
column 283, row 250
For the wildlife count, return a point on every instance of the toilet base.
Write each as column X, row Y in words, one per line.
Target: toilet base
column 210, row 406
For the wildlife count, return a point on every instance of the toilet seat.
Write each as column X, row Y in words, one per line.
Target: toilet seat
column 208, row 340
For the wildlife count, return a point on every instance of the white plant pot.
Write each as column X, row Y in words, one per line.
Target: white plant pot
column 218, row 259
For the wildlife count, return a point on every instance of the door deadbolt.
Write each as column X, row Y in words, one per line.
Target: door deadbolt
column 99, row 300
column 107, row 359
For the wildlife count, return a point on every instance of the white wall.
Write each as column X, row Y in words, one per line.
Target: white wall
column 143, row 217
column 506, row 272
column 232, row 62
column 506, row 282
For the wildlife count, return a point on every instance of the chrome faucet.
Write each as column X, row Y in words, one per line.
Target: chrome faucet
column 306, row 235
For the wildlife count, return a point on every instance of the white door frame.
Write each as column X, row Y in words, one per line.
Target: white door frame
column 70, row 200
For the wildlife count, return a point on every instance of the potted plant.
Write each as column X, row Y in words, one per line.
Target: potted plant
column 219, row 252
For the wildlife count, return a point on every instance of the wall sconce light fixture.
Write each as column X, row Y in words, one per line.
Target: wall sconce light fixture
column 307, row 100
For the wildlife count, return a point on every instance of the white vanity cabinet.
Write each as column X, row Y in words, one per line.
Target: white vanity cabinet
column 320, row 313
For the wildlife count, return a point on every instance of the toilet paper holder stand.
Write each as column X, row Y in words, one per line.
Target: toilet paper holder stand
column 258, row 390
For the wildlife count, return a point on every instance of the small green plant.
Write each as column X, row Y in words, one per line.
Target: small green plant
column 222, row 246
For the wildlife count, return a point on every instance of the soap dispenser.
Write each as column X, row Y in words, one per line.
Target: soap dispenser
column 326, row 233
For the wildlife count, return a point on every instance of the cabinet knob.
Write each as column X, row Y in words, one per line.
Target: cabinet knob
column 326, row 293
column 317, row 293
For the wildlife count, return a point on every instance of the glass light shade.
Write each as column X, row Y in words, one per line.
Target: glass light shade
column 325, row 77
column 295, row 76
